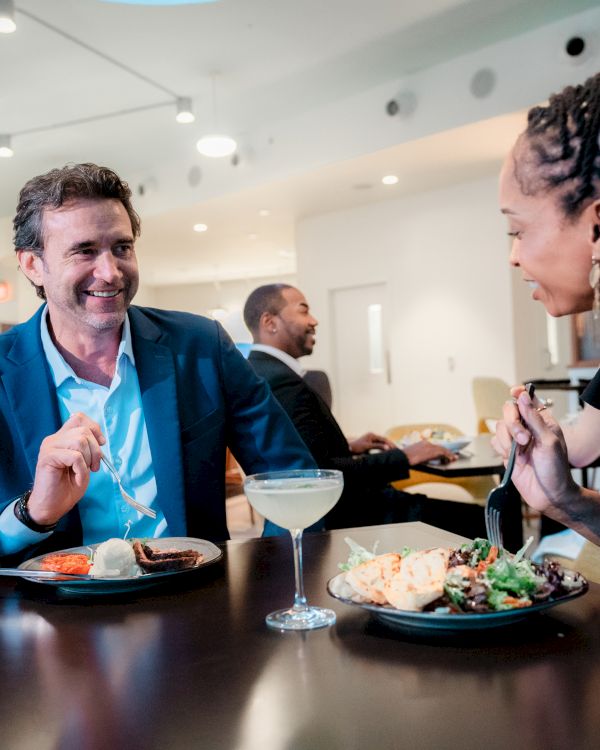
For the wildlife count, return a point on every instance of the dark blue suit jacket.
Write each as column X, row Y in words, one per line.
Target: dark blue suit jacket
column 199, row 396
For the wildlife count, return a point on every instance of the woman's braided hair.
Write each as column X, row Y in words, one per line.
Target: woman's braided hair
column 563, row 139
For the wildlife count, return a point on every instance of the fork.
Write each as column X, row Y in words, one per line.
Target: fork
column 498, row 495
column 128, row 499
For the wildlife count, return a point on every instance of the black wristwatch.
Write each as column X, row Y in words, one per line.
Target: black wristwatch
column 22, row 514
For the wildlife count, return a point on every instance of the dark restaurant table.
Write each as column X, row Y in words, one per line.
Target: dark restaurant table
column 477, row 459
column 194, row 666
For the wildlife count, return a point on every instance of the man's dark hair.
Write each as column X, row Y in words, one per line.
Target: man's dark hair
column 57, row 187
column 563, row 139
column 266, row 298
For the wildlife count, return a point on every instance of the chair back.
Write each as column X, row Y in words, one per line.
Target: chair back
column 489, row 395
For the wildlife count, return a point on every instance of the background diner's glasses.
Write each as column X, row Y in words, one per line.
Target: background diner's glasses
column 296, row 499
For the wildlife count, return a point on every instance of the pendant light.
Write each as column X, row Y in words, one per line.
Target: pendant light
column 7, row 17
column 216, row 145
column 5, row 147
column 185, row 113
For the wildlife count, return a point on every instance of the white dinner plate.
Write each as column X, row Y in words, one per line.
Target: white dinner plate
column 445, row 623
column 211, row 553
column 454, row 445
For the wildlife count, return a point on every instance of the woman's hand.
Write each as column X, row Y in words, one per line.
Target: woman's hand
column 63, row 469
column 542, row 473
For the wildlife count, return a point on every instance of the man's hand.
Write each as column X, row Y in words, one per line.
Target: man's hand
column 423, row 451
column 370, row 441
column 63, row 469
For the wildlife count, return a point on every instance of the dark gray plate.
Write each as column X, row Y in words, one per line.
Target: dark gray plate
column 115, row 585
column 440, row 622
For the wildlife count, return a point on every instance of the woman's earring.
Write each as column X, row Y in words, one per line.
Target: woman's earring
column 595, row 277
column 595, row 284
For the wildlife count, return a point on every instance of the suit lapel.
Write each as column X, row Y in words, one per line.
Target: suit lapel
column 31, row 391
column 158, row 386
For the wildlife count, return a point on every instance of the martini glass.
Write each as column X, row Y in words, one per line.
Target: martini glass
column 296, row 499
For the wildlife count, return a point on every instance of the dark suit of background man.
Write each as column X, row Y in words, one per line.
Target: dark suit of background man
column 283, row 329
column 161, row 393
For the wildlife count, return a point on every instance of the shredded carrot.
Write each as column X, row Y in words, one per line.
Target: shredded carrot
column 512, row 601
column 67, row 563
column 492, row 555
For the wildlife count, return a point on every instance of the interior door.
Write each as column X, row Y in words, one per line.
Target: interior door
column 363, row 390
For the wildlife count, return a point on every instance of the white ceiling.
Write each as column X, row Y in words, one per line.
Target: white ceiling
column 276, row 60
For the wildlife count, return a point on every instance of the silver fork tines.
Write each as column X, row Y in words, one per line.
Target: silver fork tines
column 496, row 499
column 128, row 499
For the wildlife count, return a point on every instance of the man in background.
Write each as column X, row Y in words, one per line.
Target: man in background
column 162, row 394
column 283, row 329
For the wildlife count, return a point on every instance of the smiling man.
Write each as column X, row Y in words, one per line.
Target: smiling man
column 284, row 329
column 162, row 394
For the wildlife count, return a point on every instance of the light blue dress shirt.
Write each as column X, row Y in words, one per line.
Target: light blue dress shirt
column 119, row 412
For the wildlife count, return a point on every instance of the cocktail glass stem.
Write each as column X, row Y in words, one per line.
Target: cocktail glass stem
column 299, row 597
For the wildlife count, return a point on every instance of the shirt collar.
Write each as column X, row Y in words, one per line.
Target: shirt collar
column 60, row 369
column 287, row 359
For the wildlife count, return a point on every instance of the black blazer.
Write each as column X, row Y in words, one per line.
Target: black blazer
column 365, row 477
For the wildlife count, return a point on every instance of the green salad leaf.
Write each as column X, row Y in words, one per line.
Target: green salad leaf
column 357, row 554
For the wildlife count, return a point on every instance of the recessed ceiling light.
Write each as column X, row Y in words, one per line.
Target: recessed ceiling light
column 390, row 179
column 264, row 212
column 200, row 227
column 252, row 236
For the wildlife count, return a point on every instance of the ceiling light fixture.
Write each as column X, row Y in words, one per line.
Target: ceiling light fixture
column 200, row 227
column 216, row 145
column 5, row 147
column 184, row 114
column 390, row 179
column 7, row 17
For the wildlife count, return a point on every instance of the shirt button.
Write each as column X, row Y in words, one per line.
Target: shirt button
column 124, row 508
column 117, row 462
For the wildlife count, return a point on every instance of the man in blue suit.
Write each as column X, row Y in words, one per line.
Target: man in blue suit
column 161, row 393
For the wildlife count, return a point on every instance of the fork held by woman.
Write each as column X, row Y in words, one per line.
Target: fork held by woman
column 498, row 495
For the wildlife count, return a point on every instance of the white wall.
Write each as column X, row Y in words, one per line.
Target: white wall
column 228, row 297
column 444, row 256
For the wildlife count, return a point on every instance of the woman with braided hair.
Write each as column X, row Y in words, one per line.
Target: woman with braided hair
column 550, row 194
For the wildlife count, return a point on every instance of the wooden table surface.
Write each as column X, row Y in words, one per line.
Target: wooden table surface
column 194, row 666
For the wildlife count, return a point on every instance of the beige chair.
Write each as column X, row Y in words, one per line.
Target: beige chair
column 460, row 489
column 489, row 395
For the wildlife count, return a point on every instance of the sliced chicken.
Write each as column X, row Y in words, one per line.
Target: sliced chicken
column 369, row 578
column 419, row 581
